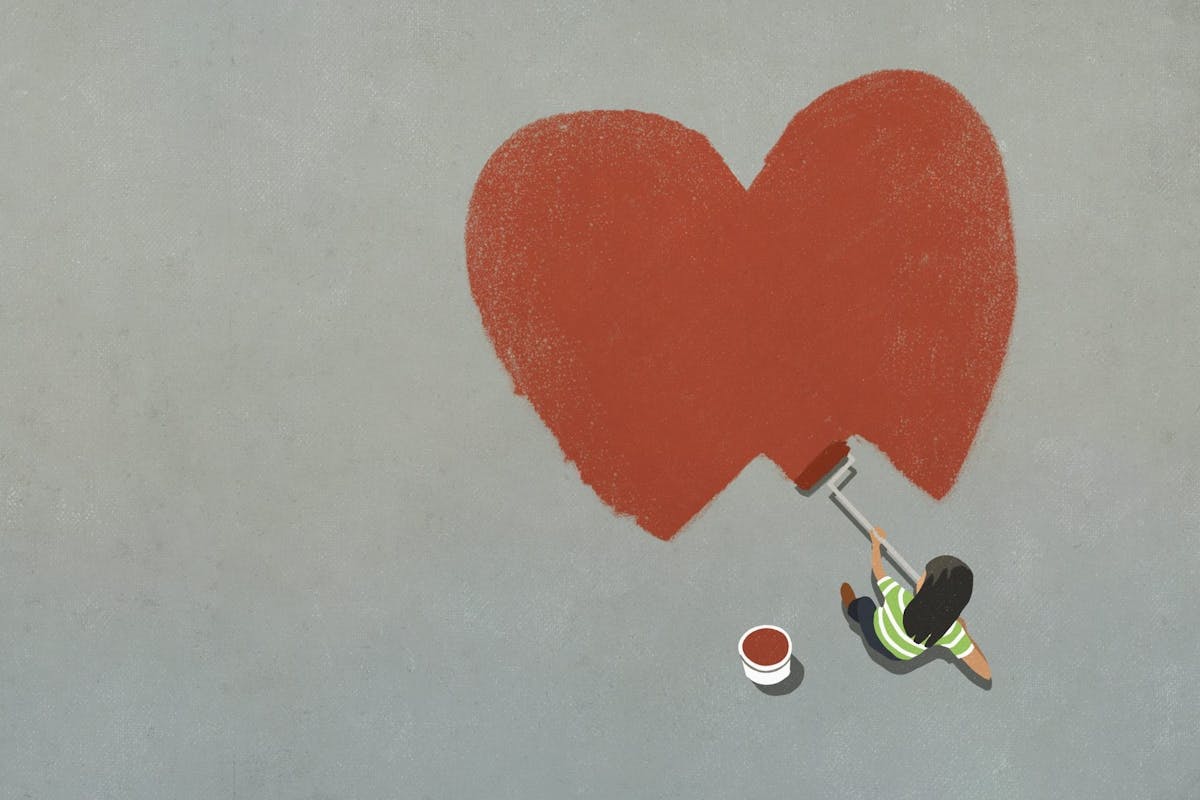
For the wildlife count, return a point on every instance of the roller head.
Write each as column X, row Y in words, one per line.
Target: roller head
column 823, row 467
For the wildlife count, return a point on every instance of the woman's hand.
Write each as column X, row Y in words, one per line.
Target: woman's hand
column 877, row 537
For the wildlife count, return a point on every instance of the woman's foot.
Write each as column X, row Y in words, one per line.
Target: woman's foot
column 847, row 596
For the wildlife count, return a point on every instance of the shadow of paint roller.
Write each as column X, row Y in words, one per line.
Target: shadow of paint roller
column 828, row 472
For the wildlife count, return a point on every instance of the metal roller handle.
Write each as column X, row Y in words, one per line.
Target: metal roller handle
column 836, row 495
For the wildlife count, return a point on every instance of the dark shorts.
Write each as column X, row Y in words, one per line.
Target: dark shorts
column 862, row 611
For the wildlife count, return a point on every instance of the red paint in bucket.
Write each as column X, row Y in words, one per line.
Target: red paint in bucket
column 765, row 647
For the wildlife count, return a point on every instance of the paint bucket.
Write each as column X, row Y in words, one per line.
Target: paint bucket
column 761, row 648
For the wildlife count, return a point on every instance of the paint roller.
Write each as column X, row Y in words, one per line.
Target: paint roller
column 829, row 472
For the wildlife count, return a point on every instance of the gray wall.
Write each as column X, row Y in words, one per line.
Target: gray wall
column 272, row 523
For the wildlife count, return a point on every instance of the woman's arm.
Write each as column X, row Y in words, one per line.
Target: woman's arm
column 878, row 536
column 975, row 659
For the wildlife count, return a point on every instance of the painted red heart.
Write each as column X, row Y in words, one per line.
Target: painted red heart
column 669, row 325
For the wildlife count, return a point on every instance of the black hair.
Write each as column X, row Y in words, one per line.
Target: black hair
column 942, row 597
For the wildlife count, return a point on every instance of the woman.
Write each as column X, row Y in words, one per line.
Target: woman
column 907, row 624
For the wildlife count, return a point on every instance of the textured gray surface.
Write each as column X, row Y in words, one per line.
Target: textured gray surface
column 272, row 523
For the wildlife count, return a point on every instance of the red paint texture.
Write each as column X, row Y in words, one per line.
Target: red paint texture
column 669, row 325
column 765, row 647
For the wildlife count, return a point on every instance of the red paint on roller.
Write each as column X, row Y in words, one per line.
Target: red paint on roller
column 822, row 465
column 669, row 325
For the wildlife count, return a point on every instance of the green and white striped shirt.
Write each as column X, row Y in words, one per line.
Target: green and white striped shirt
column 889, row 625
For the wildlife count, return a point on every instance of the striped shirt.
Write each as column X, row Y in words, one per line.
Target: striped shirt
column 889, row 625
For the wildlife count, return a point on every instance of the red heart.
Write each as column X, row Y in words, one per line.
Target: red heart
column 669, row 325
